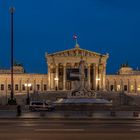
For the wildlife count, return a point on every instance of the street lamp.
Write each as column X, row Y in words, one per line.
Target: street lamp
column 28, row 85
column 56, row 82
column 12, row 100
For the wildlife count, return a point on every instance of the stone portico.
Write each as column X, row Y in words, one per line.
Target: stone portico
column 59, row 62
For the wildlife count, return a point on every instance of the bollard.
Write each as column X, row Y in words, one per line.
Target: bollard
column 18, row 110
column 113, row 113
column 135, row 114
column 42, row 113
column 66, row 115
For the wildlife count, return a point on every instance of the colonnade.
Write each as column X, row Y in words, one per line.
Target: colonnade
column 127, row 85
column 57, row 76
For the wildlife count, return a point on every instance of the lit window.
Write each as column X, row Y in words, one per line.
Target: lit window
column 132, row 88
column 118, row 87
column 138, row 88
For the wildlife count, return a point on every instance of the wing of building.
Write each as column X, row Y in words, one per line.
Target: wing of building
column 21, row 79
column 126, row 79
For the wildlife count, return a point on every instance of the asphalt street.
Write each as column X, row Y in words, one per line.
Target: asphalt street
column 43, row 129
column 68, row 114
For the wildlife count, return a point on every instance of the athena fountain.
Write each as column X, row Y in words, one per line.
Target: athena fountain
column 82, row 94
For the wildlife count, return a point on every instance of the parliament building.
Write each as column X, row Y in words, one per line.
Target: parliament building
column 62, row 70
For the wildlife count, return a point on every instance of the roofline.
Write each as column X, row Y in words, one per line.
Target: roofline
column 99, row 54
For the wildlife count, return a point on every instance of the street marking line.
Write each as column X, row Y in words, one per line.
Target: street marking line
column 135, row 124
column 59, row 130
column 136, row 130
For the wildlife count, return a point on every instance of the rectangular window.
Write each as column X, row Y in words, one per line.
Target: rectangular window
column 38, row 87
column 138, row 89
column 45, row 87
column 2, row 86
column 125, row 87
column 23, row 87
column 132, row 88
column 9, row 87
column 111, row 87
column 16, row 87
column 31, row 87
column 118, row 87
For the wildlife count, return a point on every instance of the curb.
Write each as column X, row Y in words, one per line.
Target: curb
column 69, row 118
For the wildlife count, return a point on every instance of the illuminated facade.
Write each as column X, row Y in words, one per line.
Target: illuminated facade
column 38, row 82
column 59, row 63
column 127, row 80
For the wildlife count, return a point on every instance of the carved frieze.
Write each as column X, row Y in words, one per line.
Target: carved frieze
column 75, row 52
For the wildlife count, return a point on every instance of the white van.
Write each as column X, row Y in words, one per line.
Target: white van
column 40, row 106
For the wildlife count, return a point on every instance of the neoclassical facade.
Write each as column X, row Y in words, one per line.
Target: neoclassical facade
column 127, row 80
column 38, row 82
column 59, row 63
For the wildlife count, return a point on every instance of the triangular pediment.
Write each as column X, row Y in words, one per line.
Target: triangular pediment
column 75, row 52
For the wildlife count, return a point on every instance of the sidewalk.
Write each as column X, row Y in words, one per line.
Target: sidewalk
column 5, row 114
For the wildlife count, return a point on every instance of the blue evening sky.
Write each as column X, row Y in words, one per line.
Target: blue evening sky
column 104, row 26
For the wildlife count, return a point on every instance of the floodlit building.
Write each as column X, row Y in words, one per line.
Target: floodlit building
column 63, row 67
column 63, row 74
column 38, row 82
column 126, row 79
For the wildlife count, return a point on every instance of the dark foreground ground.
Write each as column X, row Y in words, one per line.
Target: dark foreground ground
column 25, row 114
column 68, row 129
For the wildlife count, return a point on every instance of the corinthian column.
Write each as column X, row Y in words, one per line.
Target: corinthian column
column 96, row 76
column 64, row 77
column 56, row 77
column 89, row 76
column 104, row 76
column 49, row 77
column 128, row 86
column 135, row 86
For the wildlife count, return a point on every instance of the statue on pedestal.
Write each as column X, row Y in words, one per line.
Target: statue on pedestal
column 83, row 91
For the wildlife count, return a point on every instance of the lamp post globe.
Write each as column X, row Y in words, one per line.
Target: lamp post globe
column 28, row 85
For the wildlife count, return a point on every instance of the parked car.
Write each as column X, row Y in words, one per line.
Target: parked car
column 40, row 106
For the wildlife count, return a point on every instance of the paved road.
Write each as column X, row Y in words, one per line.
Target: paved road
column 43, row 129
column 67, row 114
